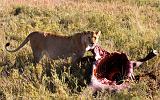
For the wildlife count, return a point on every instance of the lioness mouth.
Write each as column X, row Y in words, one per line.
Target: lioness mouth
column 90, row 46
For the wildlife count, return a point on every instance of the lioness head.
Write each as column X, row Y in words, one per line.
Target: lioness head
column 90, row 38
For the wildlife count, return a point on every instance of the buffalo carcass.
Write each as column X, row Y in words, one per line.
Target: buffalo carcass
column 113, row 71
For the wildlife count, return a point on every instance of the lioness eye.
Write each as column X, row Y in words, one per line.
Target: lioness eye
column 89, row 37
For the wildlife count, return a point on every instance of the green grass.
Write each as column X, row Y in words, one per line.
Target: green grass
column 131, row 26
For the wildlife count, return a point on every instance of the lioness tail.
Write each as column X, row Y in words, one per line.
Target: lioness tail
column 21, row 45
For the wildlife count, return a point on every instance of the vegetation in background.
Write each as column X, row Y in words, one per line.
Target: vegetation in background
column 131, row 26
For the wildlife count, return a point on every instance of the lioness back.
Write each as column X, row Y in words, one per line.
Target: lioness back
column 57, row 46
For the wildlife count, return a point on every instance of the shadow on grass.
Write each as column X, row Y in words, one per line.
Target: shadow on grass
column 2, row 96
column 77, row 76
column 19, row 63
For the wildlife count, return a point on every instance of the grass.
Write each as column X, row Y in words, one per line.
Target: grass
column 131, row 26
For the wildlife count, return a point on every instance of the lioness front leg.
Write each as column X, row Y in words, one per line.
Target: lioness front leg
column 75, row 59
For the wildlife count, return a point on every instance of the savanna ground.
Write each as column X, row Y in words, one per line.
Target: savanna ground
column 130, row 26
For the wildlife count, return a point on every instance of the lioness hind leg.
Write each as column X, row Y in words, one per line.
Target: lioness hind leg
column 37, row 56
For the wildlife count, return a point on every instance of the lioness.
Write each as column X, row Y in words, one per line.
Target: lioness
column 56, row 46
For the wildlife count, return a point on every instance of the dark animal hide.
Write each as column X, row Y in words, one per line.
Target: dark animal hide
column 113, row 71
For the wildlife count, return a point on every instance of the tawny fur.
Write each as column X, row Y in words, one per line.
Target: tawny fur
column 56, row 46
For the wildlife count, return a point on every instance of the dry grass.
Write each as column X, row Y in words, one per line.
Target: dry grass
column 131, row 26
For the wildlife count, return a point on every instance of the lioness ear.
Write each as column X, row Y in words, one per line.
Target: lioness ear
column 86, row 32
column 98, row 33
